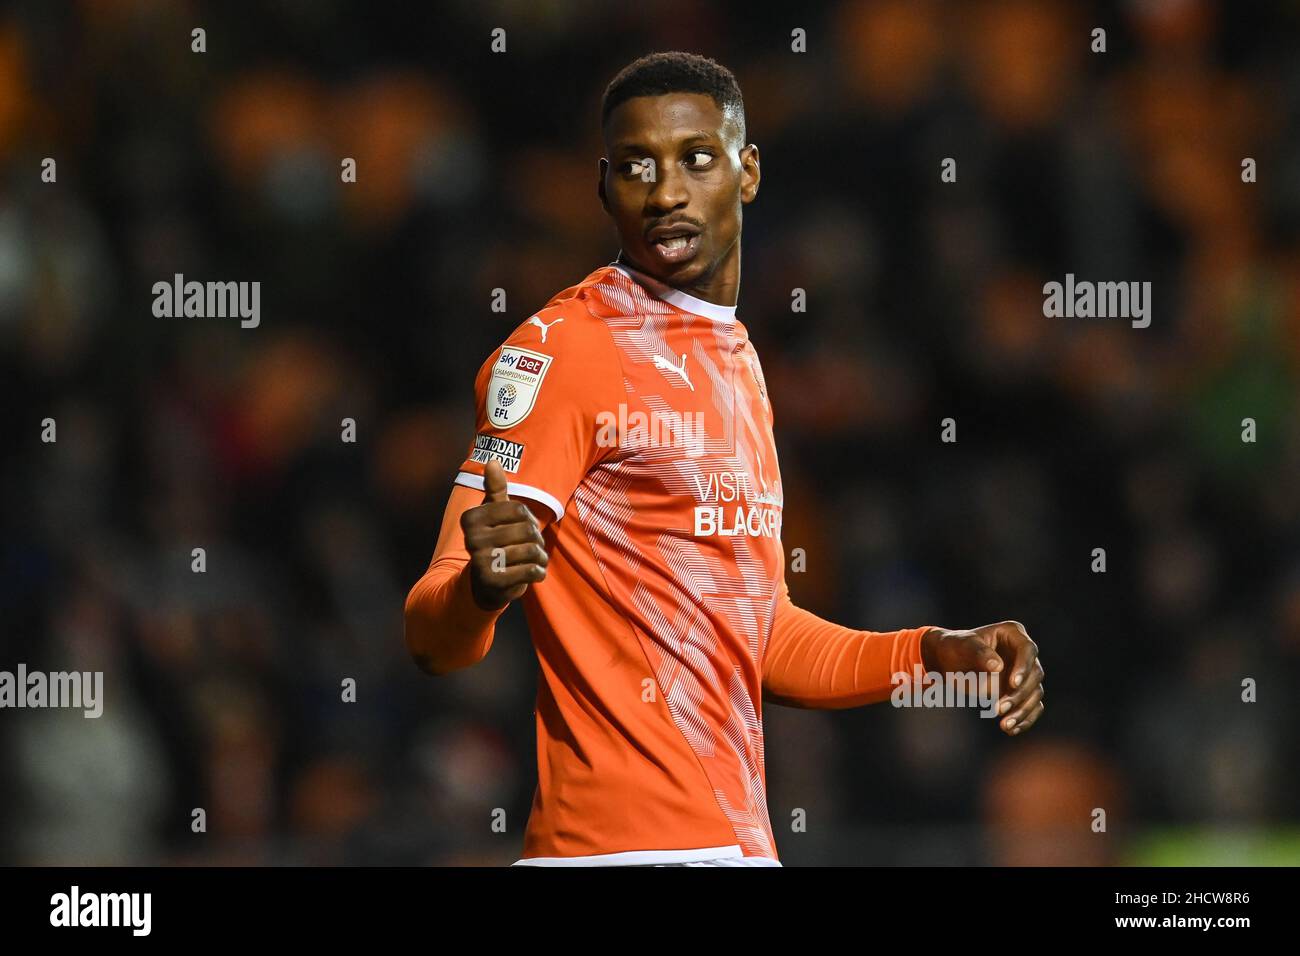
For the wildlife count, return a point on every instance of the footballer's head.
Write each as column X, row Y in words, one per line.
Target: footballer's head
column 676, row 169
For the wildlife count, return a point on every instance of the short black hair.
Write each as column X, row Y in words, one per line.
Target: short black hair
column 675, row 72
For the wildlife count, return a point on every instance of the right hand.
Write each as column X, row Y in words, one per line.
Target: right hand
column 505, row 544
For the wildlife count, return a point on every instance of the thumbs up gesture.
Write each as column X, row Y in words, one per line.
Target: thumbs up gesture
column 506, row 549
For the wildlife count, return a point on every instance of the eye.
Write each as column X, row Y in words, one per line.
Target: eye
column 696, row 163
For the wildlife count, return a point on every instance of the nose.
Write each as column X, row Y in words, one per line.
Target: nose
column 668, row 191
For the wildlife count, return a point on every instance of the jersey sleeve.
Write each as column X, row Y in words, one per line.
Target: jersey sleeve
column 814, row 663
column 537, row 405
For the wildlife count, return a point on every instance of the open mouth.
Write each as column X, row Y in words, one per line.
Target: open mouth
column 676, row 247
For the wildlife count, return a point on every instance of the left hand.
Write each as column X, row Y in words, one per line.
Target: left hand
column 997, row 648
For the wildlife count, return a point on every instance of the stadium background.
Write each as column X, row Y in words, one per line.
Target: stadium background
column 476, row 171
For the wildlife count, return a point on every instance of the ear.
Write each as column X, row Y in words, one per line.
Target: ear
column 749, row 173
column 602, row 168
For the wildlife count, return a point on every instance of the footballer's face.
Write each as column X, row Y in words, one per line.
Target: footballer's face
column 673, row 179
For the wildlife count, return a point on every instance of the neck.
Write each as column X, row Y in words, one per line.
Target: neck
column 720, row 286
column 674, row 296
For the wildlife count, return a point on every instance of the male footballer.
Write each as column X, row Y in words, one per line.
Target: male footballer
column 623, row 483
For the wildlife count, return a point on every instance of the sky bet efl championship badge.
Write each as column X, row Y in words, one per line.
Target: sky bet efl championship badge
column 513, row 389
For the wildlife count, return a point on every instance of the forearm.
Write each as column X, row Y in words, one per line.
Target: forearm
column 814, row 663
column 445, row 629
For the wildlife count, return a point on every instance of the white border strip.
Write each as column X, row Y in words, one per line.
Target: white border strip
column 634, row 857
column 523, row 491
column 710, row 310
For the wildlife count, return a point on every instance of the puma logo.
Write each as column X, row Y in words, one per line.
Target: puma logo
column 544, row 326
column 667, row 366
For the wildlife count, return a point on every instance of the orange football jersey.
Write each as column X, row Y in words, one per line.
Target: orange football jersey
column 638, row 414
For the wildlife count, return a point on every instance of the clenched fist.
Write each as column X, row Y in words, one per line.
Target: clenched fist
column 505, row 544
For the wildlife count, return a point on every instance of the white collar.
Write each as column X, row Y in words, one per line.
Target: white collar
column 689, row 303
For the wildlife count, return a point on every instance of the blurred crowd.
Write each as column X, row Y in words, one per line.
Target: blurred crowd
column 476, row 171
